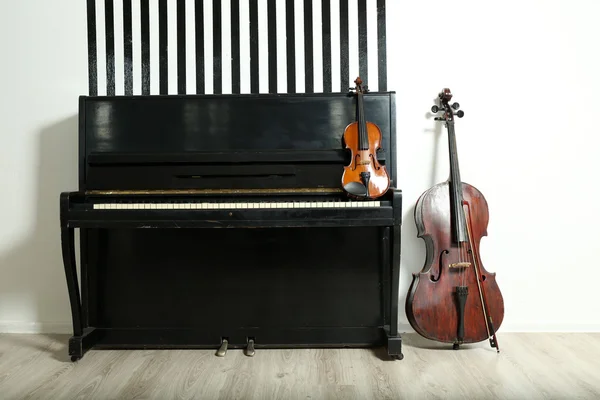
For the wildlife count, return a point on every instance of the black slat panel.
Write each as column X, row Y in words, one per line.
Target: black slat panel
column 181, row 56
column 326, row 17
column 163, row 52
column 254, row 83
column 328, row 85
column 92, row 48
column 200, row 86
column 110, row 46
column 217, row 50
column 381, row 45
column 344, row 48
column 128, row 47
column 309, row 78
column 235, row 47
column 290, row 46
column 272, row 38
column 145, row 33
column 363, row 69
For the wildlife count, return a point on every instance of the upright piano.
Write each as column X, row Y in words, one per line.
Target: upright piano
column 219, row 222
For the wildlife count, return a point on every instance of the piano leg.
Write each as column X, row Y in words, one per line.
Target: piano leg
column 80, row 342
column 394, row 340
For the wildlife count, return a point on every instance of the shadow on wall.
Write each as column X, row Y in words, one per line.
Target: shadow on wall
column 33, row 279
column 413, row 248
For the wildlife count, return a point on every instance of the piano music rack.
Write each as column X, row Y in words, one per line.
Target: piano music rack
column 212, row 220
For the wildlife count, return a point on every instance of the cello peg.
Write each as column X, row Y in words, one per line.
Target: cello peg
column 435, row 109
column 460, row 114
column 456, row 106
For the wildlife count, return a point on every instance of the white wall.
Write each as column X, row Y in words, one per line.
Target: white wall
column 525, row 73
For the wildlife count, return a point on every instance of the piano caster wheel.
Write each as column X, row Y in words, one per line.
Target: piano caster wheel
column 223, row 349
column 397, row 357
column 455, row 346
column 75, row 358
column 250, row 349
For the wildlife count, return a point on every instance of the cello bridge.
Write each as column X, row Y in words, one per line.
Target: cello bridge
column 460, row 265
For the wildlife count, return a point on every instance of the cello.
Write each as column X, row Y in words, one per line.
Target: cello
column 364, row 177
column 453, row 299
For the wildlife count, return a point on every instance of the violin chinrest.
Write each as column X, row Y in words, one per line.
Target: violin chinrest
column 356, row 189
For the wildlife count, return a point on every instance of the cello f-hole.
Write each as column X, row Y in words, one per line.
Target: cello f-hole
column 440, row 267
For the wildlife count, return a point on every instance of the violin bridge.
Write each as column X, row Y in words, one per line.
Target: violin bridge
column 460, row 265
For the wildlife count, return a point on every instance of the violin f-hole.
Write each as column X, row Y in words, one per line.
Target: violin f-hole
column 375, row 164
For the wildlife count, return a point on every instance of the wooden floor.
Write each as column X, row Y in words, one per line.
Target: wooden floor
column 530, row 366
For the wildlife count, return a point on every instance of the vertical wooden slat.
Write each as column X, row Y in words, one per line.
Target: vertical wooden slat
column 326, row 18
column 308, row 48
column 128, row 47
column 344, row 48
column 381, row 46
column 163, row 51
column 363, row 69
column 200, row 47
column 145, row 34
column 235, row 47
column 181, row 48
column 290, row 46
column 254, row 88
column 217, row 49
column 109, row 18
column 92, row 48
column 272, row 32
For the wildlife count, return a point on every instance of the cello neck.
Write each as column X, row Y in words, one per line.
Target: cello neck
column 459, row 231
column 456, row 192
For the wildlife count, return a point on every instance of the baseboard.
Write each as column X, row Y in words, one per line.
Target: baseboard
column 533, row 327
column 35, row 327
column 566, row 327
column 67, row 328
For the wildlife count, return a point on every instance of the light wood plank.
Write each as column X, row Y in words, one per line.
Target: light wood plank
column 532, row 366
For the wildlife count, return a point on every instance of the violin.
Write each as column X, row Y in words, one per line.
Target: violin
column 453, row 299
column 364, row 177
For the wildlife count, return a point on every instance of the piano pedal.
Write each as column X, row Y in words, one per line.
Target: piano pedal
column 250, row 348
column 223, row 349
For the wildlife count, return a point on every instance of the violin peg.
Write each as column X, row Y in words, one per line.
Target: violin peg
column 435, row 109
column 456, row 106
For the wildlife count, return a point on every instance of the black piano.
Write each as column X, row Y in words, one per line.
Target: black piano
column 219, row 222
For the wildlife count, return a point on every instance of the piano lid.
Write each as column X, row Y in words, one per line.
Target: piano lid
column 191, row 142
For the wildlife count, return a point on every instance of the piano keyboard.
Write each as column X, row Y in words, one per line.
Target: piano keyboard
column 236, row 206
